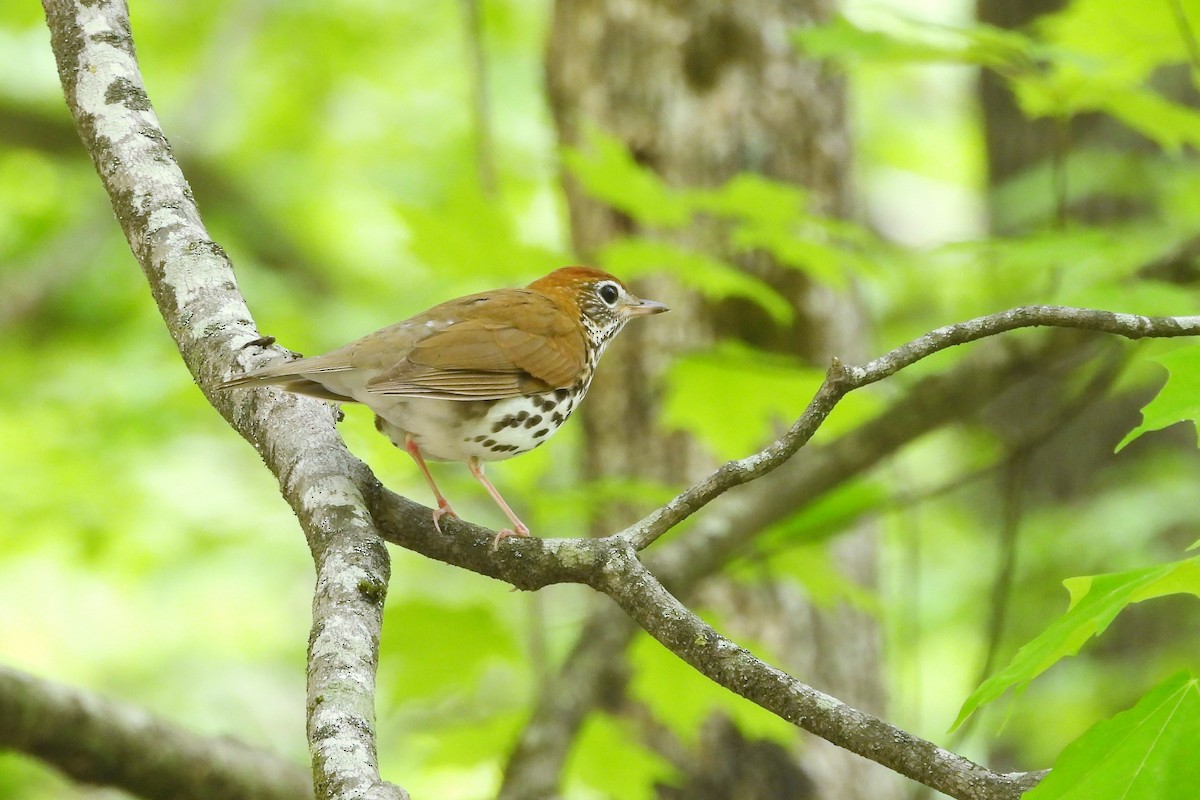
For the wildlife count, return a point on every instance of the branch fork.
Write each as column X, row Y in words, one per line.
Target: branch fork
column 346, row 514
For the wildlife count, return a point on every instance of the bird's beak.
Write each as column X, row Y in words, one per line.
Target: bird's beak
column 646, row 307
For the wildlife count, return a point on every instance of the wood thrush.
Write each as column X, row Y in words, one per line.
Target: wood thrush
column 481, row 378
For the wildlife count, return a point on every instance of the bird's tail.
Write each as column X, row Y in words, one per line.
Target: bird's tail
column 288, row 378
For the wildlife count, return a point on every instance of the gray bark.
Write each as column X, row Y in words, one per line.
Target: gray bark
column 344, row 511
column 192, row 281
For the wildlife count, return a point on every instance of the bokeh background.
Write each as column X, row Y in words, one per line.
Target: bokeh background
column 342, row 155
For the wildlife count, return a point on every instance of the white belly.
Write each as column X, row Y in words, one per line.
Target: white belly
column 451, row 430
column 457, row 430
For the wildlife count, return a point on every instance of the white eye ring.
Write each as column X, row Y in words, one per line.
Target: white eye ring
column 609, row 292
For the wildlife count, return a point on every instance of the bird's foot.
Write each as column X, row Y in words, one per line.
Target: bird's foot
column 519, row 531
column 443, row 510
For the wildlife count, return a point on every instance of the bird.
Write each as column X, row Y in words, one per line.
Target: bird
column 476, row 379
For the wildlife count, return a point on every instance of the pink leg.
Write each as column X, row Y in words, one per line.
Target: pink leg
column 443, row 509
column 519, row 528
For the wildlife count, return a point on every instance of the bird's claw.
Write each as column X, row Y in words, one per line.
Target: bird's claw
column 443, row 510
column 521, row 533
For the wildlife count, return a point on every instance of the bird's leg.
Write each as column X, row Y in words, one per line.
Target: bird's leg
column 519, row 528
column 443, row 509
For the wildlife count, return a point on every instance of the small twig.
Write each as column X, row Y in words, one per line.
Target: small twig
column 841, row 380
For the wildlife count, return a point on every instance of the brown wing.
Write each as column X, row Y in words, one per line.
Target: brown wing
column 511, row 342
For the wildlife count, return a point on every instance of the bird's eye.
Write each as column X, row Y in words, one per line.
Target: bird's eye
column 609, row 293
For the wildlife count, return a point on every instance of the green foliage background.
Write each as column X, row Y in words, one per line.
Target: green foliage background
column 145, row 554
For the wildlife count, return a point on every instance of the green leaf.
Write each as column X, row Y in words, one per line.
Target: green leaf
column 763, row 215
column 1179, row 398
column 752, row 197
column 491, row 246
column 609, row 173
column 774, row 216
column 427, row 661
column 1103, row 59
column 609, row 759
column 748, row 397
column 1145, row 753
column 1172, row 125
column 914, row 41
column 1095, row 602
column 1129, row 40
column 840, row 39
column 820, row 260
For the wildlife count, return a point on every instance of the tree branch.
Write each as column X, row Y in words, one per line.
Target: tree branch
column 193, row 283
column 99, row 741
column 841, row 380
column 331, row 491
column 610, row 565
column 627, row 581
column 535, row 764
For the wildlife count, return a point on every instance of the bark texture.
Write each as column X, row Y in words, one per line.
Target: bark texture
column 193, row 284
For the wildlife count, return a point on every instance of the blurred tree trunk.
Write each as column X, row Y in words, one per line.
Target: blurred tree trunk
column 1015, row 143
column 699, row 91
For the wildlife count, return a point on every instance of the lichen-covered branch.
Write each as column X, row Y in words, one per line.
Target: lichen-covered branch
column 343, row 510
column 100, row 741
column 193, row 283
